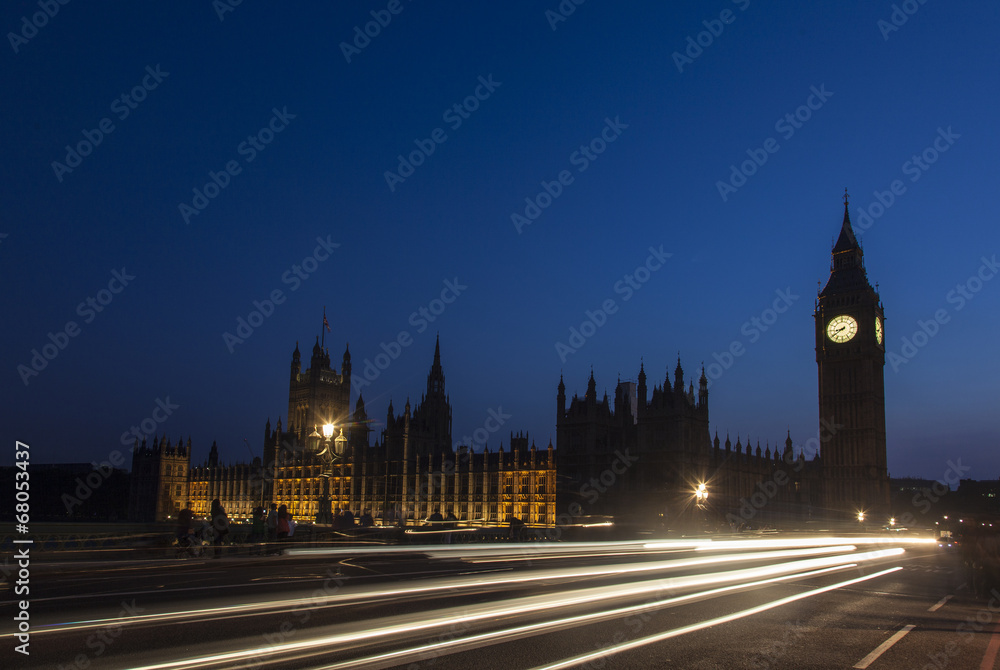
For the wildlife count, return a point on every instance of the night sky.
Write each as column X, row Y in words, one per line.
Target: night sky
column 175, row 162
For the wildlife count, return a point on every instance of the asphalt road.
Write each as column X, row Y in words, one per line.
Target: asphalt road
column 783, row 602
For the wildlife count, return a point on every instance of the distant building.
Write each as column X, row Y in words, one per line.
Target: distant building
column 649, row 469
column 850, row 354
column 647, row 456
column 160, row 480
column 412, row 472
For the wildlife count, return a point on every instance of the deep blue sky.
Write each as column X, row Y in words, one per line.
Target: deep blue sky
column 656, row 184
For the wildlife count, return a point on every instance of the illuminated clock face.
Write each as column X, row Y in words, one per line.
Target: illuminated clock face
column 842, row 328
column 878, row 329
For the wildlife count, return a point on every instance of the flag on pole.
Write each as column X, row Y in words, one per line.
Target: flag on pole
column 326, row 323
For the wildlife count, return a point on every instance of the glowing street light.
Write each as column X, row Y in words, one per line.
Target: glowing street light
column 701, row 493
column 861, row 517
column 329, row 454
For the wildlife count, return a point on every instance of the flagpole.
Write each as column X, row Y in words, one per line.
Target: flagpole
column 322, row 329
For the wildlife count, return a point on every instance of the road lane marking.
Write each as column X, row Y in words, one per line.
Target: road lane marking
column 666, row 635
column 991, row 650
column 939, row 604
column 882, row 648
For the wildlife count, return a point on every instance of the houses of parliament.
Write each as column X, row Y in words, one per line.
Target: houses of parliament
column 646, row 456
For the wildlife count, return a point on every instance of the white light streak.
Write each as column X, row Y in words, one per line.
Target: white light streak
column 406, row 625
column 666, row 635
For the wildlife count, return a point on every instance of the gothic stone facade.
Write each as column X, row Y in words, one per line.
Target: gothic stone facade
column 646, row 456
column 410, row 473
column 643, row 459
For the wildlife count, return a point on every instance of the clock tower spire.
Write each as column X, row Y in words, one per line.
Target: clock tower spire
column 850, row 355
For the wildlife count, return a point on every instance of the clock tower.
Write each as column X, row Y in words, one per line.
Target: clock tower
column 850, row 354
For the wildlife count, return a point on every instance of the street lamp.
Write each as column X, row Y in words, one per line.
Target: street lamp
column 861, row 517
column 329, row 454
column 701, row 494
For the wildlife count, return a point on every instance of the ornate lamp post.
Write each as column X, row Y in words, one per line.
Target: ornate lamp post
column 329, row 454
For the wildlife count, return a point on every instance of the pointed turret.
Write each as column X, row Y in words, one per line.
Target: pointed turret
column 561, row 398
column 847, row 241
column 359, row 428
column 847, row 261
column 345, row 366
column 679, row 376
column 640, row 391
column 435, row 378
column 296, row 361
column 316, row 362
column 703, row 389
column 591, row 387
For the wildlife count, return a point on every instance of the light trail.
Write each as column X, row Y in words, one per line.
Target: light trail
column 651, row 639
column 449, row 584
column 511, row 634
column 796, row 542
column 407, row 625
